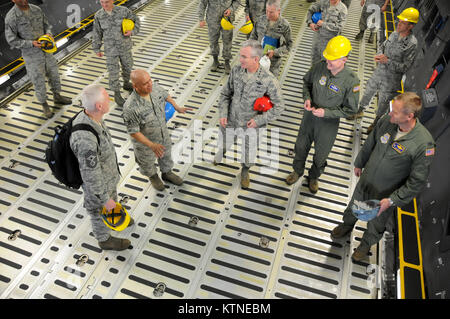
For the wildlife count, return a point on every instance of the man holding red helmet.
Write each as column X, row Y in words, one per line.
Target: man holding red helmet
column 239, row 116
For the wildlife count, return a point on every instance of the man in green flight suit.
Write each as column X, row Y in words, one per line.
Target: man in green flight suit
column 393, row 166
column 330, row 91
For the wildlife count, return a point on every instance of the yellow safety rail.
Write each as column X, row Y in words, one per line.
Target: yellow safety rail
column 411, row 266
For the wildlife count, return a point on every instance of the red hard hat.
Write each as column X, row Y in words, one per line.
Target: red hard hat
column 262, row 104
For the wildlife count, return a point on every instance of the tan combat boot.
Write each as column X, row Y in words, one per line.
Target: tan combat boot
column 216, row 64
column 114, row 243
column 292, row 178
column 59, row 99
column 47, row 111
column 245, row 178
column 157, row 182
column 340, row 231
column 313, row 185
column 227, row 67
column 360, row 253
column 118, row 98
column 172, row 177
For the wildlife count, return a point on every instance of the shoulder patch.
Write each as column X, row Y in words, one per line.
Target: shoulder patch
column 356, row 88
column 91, row 159
column 429, row 151
column 323, row 80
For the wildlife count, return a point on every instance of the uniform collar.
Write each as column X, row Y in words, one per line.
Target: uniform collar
column 112, row 11
column 20, row 12
column 257, row 74
column 404, row 39
column 393, row 128
column 342, row 73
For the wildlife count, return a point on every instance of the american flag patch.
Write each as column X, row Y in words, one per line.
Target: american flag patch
column 429, row 152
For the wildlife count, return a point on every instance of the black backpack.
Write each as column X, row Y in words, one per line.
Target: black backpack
column 60, row 157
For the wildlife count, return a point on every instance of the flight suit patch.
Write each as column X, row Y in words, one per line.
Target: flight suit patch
column 334, row 88
column 356, row 88
column 398, row 147
column 323, row 80
column 429, row 152
column 385, row 138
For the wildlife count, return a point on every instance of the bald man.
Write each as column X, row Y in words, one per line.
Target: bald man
column 144, row 116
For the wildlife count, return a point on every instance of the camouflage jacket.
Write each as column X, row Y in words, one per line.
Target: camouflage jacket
column 280, row 30
column 22, row 29
column 147, row 117
column 214, row 9
column 401, row 53
column 255, row 9
column 333, row 17
column 239, row 95
column 98, row 162
column 108, row 28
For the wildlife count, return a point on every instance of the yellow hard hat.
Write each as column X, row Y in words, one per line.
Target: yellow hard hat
column 116, row 219
column 47, row 43
column 247, row 27
column 409, row 15
column 338, row 47
column 226, row 24
column 127, row 25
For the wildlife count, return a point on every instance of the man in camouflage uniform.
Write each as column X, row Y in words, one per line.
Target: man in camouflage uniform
column 98, row 164
column 253, row 10
column 330, row 91
column 393, row 166
column 215, row 11
column 334, row 14
column 24, row 25
column 346, row 2
column 246, row 83
column 395, row 56
column 144, row 116
column 273, row 25
column 382, row 4
column 117, row 45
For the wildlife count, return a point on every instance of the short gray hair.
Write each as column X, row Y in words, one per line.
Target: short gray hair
column 276, row 3
column 91, row 95
column 257, row 49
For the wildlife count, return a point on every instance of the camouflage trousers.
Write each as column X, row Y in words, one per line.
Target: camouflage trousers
column 275, row 66
column 99, row 229
column 386, row 86
column 320, row 41
column 112, row 64
column 214, row 31
column 249, row 143
column 146, row 158
column 37, row 68
column 363, row 20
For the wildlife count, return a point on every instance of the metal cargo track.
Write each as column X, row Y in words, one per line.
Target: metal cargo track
column 207, row 238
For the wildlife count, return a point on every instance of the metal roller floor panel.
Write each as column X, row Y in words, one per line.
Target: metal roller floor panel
column 207, row 238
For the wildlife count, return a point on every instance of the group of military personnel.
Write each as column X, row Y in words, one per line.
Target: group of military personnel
column 392, row 165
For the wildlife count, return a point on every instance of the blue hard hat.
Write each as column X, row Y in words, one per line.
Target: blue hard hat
column 366, row 210
column 316, row 16
column 169, row 110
